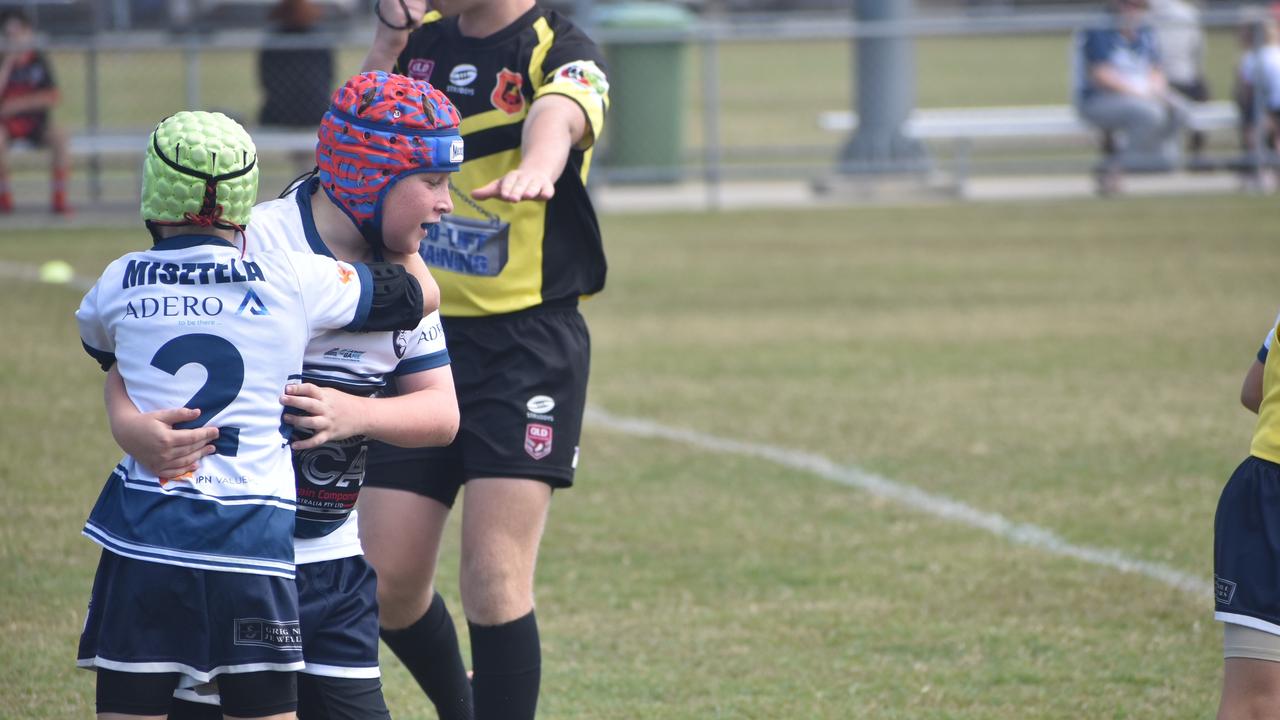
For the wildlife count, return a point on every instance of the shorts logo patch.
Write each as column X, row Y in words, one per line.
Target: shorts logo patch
column 540, row 404
column 420, row 68
column 268, row 633
column 537, row 440
column 1223, row 590
column 400, row 342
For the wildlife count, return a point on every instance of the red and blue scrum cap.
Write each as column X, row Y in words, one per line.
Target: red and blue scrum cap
column 379, row 129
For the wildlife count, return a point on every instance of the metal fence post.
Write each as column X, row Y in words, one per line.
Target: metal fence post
column 711, row 115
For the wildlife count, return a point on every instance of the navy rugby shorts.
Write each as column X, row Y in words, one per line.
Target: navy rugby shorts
column 1246, row 547
column 156, row 618
column 338, row 603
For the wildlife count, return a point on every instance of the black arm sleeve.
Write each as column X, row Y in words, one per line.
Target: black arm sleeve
column 397, row 299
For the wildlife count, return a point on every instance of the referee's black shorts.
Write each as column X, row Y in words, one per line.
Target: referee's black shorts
column 521, row 380
column 1246, row 547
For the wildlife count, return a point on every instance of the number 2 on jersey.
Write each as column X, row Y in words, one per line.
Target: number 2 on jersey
column 225, row 368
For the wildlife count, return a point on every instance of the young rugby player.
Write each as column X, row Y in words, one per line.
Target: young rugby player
column 196, row 579
column 385, row 149
column 1246, row 550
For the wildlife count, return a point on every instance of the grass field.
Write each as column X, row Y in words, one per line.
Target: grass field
column 1074, row 366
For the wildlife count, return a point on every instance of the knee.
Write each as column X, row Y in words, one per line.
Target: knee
column 494, row 592
column 1253, row 706
column 401, row 586
column 1149, row 116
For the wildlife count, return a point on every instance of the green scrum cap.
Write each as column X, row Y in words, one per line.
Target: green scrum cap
column 201, row 168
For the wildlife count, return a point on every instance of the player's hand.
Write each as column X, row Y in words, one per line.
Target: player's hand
column 393, row 12
column 517, row 186
column 329, row 414
column 154, row 443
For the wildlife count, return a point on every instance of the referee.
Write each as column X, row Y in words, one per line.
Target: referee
column 520, row 251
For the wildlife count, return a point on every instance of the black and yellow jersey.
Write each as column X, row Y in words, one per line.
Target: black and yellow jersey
column 552, row 252
column 1266, row 435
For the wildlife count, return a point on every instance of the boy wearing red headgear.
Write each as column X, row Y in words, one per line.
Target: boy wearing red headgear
column 385, row 149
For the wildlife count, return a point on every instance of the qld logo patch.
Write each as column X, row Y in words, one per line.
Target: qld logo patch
column 506, row 95
column 537, row 440
column 420, row 68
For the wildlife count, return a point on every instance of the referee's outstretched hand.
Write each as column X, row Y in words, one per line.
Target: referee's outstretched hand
column 517, row 186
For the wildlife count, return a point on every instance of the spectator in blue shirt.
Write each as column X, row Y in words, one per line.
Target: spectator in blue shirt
column 1123, row 90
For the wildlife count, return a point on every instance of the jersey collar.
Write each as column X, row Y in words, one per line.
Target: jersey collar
column 303, row 195
column 517, row 26
column 182, row 242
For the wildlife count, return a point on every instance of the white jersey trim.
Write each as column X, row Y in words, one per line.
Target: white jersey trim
column 169, row 556
column 339, row 671
column 343, row 542
column 1247, row 621
column 197, row 675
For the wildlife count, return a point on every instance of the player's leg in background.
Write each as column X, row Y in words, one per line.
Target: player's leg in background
column 6, row 192
column 502, row 524
column 59, row 168
column 401, row 533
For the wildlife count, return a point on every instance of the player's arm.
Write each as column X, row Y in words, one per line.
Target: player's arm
column 388, row 42
column 1251, row 390
column 424, row 414
column 413, row 263
column 150, row 437
column 395, row 299
column 555, row 124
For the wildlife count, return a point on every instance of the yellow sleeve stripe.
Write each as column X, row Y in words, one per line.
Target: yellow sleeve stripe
column 491, row 119
column 546, row 37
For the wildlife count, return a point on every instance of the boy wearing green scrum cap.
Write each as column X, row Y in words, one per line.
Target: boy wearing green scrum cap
column 196, row 579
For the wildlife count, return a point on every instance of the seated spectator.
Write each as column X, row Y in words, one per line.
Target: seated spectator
column 1180, row 38
column 296, row 81
column 1257, row 95
column 27, row 95
column 1122, row 90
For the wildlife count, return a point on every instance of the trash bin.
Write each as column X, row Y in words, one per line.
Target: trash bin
column 644, row 138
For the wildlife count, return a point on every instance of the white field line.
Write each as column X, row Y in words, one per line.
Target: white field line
column 939, row 506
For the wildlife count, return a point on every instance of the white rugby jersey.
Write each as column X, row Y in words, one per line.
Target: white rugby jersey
column 192, row 322
column 329, row 477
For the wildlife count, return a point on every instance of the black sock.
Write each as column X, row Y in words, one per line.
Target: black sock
column 429, row 648
column 507, row 660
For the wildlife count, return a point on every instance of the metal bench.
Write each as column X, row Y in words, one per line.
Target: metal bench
column 966, row 125
column 95, row 146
